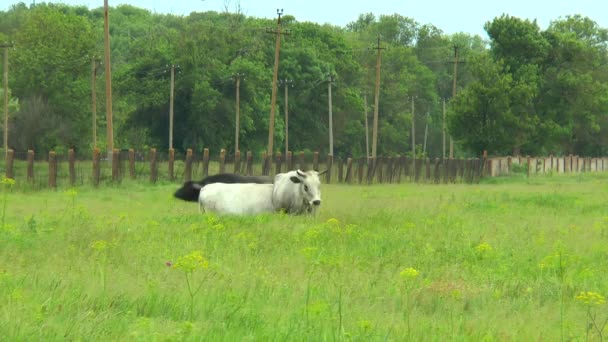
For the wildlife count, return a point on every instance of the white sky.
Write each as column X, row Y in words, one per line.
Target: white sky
column 451, row 16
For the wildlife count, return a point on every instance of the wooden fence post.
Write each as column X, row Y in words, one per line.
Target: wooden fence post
column 188, row 166
column 315, row 161
column 52, row 169
column 340, row 171
column 30, row 165
column 132, row 163
column 378, row 169
column 222, row 161
column 72, row 166
column 153, row 167
column 249, row 167
column 96, row 166
column 370, row 169
column 205, row 162
column 278, row 162
column 349, row 170
column 329, row 164
column 389, row 170
column 237, row 162
column 302, row 161
column 289, row 160
column 529, row 166
column 360, row 164
column 427, row 162
column 10, row 158
column 265, row 171
column 115, row 165
column 171, row 163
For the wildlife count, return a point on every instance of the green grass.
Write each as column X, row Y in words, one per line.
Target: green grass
column 503, row 260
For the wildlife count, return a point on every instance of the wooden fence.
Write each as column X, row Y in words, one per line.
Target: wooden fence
column 154, row 166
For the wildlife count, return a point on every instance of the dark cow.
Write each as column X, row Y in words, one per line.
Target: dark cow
column 191, row 190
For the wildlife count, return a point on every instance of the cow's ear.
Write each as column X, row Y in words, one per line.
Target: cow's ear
column 295, row 179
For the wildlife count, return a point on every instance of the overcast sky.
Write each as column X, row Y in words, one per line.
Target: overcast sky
column 450, row 16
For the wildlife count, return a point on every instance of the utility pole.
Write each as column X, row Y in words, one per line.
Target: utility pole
column 171, row 106
column 376, row 100
column 109, row 130
column 331, row 129
column 413, row 130
column 454, row 93
column 443, row 129
column 94, row 98
column 237, row 124
column 273, row 98
column 426, row 133
column 5, row 79
column 286, row 83
column 366, row 129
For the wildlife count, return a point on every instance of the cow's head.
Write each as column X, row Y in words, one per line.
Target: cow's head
column 309, row 186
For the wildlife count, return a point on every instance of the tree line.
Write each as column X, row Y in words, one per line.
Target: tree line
column 524, row 91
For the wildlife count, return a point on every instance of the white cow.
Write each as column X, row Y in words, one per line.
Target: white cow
column 295, row 192
column 236, row 198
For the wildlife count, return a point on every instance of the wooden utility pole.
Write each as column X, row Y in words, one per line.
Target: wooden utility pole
column 286, row 83
column 331, row 125
column 443, row 129
column 366, row 129
column 5, row 82
column 108, row 71
column 376, row 99
column 237, row 124
column 171, row 106
column 273, row 98
column 94, row 99
column 413, row 129
column 454, row 93
column 426, row 133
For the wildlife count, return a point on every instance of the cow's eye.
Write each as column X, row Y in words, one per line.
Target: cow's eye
column 306, row 188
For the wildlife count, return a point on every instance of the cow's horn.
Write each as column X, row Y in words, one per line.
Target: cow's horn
column 300, row 173
column 322, row 172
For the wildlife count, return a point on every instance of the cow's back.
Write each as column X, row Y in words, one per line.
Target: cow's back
column 237, row 198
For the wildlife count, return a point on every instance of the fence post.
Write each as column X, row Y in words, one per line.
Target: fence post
column 188, row 166
column 289, row 160
column 71, row 166
column 96, row 166
column 153, row 168
column 301, row 161
column 370, row 169
column 10, row 157
column 360, row 164
column 340, row 171
column 132, row 163
column 222, row 161
column 249, row 167
column 115, row 165
column 52, row 169
column 329, row 164
column 529, row 166
column 427, row 162
column 389, row 170
column 378, row 168
column 315, row 161
column 264, row 164
column 349, row 170
column 205, row 162
column 30, row 165
column 171, row 163
column 237, row 162
column 278, row 163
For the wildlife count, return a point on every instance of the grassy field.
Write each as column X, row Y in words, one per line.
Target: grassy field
column 506, row 260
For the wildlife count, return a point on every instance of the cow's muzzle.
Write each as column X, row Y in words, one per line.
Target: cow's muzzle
column 316, row 202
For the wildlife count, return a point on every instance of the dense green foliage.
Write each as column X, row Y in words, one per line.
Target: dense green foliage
column 386, row 262
column 524, row 91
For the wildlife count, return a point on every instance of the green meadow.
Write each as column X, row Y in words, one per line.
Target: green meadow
column 508, row 259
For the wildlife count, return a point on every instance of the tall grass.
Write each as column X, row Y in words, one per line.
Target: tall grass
column 385, row 262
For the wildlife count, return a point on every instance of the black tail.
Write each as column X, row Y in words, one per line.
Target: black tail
column 188, row 192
